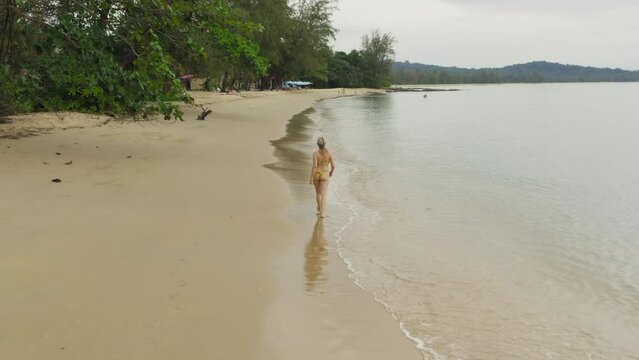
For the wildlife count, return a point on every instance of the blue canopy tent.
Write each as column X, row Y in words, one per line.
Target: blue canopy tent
column 296, row 84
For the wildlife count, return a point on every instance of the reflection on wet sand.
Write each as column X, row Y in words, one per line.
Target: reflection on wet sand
column 315, row 255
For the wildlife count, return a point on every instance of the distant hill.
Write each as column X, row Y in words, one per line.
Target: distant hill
column 532, row 72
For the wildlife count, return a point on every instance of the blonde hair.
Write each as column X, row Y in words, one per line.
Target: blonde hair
column 321, row 142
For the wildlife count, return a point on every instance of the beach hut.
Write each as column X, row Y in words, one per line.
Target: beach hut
column 186, row 81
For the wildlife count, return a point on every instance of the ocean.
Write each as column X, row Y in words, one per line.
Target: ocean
column 494, row 222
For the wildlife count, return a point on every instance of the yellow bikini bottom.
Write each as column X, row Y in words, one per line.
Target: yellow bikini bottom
column 322, row 175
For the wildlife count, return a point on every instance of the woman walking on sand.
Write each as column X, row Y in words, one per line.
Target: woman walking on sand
column 320, row 174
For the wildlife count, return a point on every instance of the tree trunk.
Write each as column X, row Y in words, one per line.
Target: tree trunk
column 7, row 26
column 224, row 79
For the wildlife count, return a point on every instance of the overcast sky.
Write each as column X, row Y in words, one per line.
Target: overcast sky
column 494, row 33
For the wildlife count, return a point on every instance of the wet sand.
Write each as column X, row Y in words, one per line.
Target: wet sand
column 169, row 240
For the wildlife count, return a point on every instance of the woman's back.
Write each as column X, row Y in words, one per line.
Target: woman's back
column 323, row 159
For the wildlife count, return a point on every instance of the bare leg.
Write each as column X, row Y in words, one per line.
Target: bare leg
column 323, row 185
column 318, row 194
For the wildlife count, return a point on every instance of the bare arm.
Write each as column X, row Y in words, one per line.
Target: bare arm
column 313, row 169
column 332, row 165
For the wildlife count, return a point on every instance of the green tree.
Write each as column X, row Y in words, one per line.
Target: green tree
column 306, row 47
column 377, row 58
column 119, row 56
column 344, row 70
column 274, row 20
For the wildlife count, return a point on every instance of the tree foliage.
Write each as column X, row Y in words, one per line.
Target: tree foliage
column 377, row 55
column 118, row 56
column 368, row 67
column 126, row 56
column 294, row 37
column 345, row 70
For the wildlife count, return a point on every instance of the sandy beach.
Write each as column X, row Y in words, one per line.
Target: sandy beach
column 168, row 240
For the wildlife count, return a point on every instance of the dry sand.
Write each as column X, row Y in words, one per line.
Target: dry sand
column 167, row 240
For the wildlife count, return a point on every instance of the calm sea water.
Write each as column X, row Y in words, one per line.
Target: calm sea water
column 496, row 222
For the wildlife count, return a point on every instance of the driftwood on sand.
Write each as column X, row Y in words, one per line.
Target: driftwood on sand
column 205, row 112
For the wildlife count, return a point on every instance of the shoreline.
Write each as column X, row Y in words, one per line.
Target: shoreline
column 143, row 249
column 329, row 300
